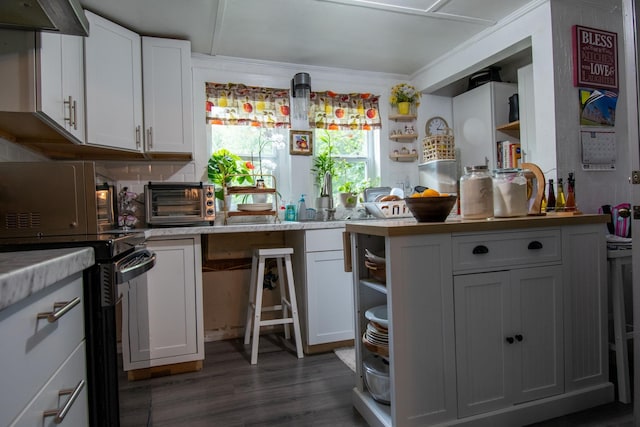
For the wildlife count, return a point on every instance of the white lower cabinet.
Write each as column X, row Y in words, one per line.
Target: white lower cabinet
column 508, row 337
column 162, row 310
column 42, row 359
column 323, row 288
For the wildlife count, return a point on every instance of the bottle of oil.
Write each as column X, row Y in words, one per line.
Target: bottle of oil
column 571, row 193
column 551, row 197
column 561, row 200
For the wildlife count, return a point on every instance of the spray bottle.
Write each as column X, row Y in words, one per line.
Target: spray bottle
column 302, row 209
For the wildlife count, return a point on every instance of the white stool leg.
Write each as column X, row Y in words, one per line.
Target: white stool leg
column 294, row 306
column 251, row 305
column 283, row 296
column 257, row 312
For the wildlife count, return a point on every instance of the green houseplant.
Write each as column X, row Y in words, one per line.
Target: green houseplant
column 225, row 168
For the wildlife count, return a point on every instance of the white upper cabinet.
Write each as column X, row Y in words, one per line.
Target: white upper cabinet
column 113, row 85
column 168, row 110
column 43, row 82
column 61, row 70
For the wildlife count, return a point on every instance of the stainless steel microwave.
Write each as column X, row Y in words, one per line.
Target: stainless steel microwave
column 53, row 198
column 179, row 203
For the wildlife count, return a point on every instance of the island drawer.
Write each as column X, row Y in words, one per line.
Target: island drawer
column 488, row 251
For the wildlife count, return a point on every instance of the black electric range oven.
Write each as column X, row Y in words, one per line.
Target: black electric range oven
column 119, row 258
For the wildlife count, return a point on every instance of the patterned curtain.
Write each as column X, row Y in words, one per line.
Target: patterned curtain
column 237, row 104
column 334, row 111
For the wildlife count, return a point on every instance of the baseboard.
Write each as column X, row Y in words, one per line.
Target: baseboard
column 165, row 370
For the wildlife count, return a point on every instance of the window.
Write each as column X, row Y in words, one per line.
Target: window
column 253, row 123
column 352, row 151
column 265, row 148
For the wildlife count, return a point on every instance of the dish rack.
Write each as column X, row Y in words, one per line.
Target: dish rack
column 439, row 147
column 251, row 190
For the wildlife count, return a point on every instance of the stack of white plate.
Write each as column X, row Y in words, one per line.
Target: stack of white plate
column 376, row 335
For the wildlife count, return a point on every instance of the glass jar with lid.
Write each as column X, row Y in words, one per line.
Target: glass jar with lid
column 509, row 193
column 476, row 193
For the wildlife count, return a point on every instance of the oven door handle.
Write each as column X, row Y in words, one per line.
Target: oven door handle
column 134, row 265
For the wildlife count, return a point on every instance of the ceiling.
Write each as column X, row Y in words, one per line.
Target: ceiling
column 392, row 36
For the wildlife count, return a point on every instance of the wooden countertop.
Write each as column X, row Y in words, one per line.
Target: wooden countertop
column 410, row 226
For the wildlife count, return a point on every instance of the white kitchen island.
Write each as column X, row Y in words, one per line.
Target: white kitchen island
column 491, row 323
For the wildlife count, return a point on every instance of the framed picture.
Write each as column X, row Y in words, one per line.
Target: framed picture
column 301, row 142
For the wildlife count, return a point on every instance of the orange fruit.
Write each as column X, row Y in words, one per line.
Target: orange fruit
column 430, row 192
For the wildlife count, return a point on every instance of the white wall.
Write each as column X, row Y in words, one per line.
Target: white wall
column 593, row 188
column 546, row 27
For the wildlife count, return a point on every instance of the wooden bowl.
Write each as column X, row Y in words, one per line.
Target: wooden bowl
column 430, row 209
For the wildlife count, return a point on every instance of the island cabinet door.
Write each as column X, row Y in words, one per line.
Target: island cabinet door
column 421, row 335
column 585, row 316
column 509, row 340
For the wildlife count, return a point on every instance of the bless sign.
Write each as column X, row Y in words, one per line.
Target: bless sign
column 595, row 58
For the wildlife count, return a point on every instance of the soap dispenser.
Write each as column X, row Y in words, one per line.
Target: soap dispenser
column 302, row 209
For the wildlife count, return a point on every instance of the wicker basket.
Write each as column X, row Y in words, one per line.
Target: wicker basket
column 439, row 147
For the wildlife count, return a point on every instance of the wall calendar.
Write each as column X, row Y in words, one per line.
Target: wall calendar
column 598, row 149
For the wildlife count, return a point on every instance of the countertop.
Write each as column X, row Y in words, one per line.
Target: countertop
column 24, row 273
column 410, row 226
column 243, row 228
column 387, row 227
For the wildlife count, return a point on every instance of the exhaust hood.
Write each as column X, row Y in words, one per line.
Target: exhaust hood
column 62, row 16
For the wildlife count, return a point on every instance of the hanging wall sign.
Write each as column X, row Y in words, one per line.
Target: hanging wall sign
column 595, row 58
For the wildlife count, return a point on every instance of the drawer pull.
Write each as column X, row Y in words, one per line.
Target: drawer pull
column 59, row 310
column 59, row 414
column 510, row 340
column 480, row 249
column 535, row 245
column 519, row 337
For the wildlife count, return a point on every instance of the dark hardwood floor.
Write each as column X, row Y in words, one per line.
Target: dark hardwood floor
column 280, row 390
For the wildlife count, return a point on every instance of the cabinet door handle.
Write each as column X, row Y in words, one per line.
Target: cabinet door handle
column 69, row 103
column 74, row 109
column 138, row 136
column 59, row 414
column 150, row 138
column 480, row 249
column 519, row 337
column 510, row 340
column 534, row 245
column 59, row 310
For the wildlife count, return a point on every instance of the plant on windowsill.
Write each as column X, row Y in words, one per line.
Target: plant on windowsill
column 223, row 169
column 350, row 192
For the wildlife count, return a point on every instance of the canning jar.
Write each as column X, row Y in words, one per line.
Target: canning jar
column 476, row 193
column 509, row 193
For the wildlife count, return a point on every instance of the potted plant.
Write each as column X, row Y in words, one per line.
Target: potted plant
column 348, row 194
column 403, row 96
column 325, row 162
column 225, row 168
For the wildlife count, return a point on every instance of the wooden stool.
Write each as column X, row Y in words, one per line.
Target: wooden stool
column 255, row 300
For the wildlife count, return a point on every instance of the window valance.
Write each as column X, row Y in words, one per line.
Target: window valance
column 336, row 111
column 241, row 105
column 237, row 104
